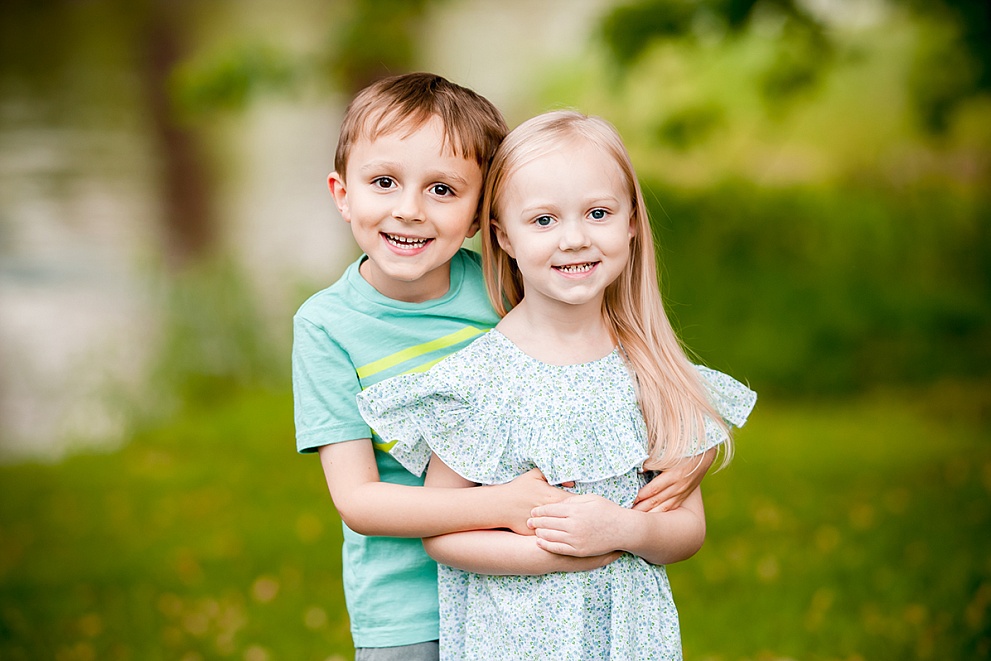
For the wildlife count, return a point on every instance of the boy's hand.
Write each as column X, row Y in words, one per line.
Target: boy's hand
column 582, row 526
column 669, row 490
column 525, row 492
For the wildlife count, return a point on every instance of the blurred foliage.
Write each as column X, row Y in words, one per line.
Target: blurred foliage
column 957, row 64
column 842, row 530
column 817, row 290
column 374, row 39
column 233, row 76
column 215, row 340
column 629, row 30
column 950, row 68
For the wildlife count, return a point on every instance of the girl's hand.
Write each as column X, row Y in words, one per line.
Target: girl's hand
column 582, row 526
column 669, row 490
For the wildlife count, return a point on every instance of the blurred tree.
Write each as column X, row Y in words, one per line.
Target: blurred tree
column 377, row 38
column 955, row 67
column 948, row 71
column 187, row 178
column 804, row 50
column 87, row 64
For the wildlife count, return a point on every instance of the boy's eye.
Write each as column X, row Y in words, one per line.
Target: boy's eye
column 443, row 190
column 543, row 221
column 598, row 214
column 385, row 183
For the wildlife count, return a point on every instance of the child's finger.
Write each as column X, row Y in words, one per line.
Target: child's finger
column 546, row 523
column 556, row 510
column 559, row 548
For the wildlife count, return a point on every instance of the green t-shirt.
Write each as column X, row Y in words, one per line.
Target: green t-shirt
column 346, row 338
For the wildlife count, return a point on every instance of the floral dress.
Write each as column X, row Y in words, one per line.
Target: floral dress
column 491, row 413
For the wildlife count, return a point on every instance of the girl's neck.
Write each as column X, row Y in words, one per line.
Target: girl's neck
column 559, row 335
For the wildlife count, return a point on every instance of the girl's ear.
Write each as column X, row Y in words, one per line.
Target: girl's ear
column 503, row 239
column 336, row 185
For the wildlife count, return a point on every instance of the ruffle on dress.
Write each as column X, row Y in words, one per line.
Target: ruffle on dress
column 491, row 413
column 732, row 400
column 483, row 437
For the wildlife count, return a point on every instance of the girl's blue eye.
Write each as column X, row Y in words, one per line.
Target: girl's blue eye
column 442, row 189
column 543, row 221
column 598, row 214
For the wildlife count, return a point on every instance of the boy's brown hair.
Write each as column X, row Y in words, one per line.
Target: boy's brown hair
column 473, row 127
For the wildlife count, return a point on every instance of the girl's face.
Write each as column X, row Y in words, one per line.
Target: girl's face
column 566, row 218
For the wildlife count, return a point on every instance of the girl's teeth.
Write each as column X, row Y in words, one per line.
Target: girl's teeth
column 405, row 241
column 575, row 268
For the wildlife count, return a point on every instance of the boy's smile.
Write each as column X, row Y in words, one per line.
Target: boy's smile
column 411, row 202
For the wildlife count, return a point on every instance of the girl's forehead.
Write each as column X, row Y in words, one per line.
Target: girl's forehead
column 565, row 154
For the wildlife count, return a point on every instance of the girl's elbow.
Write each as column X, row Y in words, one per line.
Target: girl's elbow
column 435, row 549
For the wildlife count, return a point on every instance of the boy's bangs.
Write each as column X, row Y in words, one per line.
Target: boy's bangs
column 393, row 121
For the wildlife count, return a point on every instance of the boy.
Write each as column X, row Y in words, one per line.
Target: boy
column 409, row 168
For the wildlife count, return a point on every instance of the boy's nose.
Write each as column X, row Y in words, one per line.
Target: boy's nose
column 408, row 208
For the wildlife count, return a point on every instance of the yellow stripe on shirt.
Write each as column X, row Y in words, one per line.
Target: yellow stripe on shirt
column 410, row 353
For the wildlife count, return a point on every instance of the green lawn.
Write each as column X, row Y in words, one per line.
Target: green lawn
column 843, row 530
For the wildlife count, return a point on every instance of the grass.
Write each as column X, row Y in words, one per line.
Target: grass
column 843, row 530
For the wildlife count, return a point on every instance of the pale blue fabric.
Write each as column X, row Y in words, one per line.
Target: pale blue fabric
column 491, row 413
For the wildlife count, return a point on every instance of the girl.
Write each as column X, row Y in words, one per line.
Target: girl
column 582, row 378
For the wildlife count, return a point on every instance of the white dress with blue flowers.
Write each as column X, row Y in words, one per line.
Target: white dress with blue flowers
column 491, row 413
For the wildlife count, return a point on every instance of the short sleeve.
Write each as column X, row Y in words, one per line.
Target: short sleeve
column 325, row 383
column 732, row 400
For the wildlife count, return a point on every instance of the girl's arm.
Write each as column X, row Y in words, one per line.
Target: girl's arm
column 669, row 490
column 500, row 552
column 495, row 551
column 371, row 507
column 591, row 525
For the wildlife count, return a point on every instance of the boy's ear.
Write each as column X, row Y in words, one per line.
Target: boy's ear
column 472, row 229
column 503, row 239
column 336, row 185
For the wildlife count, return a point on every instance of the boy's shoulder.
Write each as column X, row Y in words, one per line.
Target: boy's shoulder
column 334, row 297
column 352, row 296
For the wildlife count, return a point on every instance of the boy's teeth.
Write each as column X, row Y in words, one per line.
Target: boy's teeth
column 575, row 268
column 405, row 241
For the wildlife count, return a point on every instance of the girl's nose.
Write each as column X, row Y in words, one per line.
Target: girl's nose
column 408, row 208
column 574, row 235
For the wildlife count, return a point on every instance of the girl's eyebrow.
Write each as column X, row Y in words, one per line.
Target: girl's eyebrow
column 590, row 201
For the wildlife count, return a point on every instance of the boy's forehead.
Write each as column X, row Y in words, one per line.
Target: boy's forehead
column 389, row 124
column 385, row 148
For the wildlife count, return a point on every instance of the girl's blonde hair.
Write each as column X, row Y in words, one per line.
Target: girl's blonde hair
column 670, row 390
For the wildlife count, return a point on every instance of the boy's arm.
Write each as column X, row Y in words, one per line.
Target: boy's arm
column 669, row 490
column 591, row 525
column 495, row 551
column 371, row 507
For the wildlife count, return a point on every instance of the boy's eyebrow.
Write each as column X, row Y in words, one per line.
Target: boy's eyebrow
column 435, row 175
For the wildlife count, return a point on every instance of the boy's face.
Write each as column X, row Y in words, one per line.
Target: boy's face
column 411, row 203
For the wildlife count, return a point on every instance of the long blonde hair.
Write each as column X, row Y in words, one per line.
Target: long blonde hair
column 672, row 396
